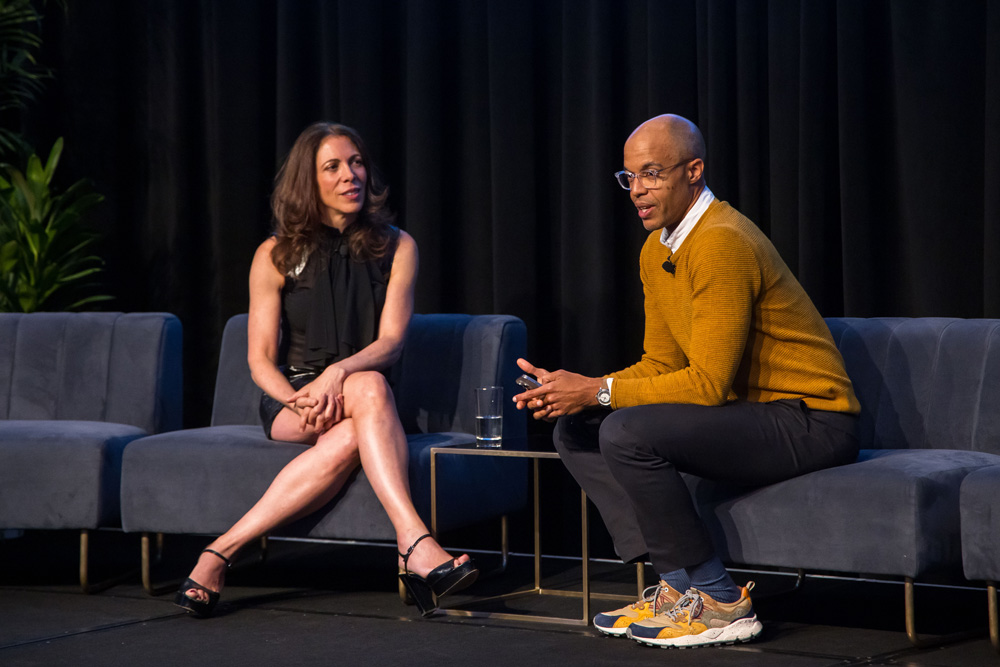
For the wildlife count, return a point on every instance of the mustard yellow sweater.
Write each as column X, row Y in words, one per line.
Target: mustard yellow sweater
column 732, row 323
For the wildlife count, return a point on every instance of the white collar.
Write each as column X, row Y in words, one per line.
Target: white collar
column 701, row 204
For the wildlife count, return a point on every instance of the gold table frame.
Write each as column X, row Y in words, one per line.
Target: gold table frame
column 585, row 594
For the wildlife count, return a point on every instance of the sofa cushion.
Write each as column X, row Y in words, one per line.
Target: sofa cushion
column 113, row 367
column 924, row 383
column 61, row 474
column 980, row 508
column 237, row 398
column 203, row 480
column 893, row 512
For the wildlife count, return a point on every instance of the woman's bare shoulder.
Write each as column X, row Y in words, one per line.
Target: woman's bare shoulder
column 406, row 242
column 263, row 263
column 267, row 244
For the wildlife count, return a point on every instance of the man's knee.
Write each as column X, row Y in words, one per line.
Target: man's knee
column 560, row 435
column 576, row 433
column 616, row 437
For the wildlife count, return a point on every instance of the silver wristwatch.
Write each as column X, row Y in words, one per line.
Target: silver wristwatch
column 604, row 394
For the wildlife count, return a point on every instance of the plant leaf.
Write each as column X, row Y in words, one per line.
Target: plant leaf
column 53, row 161
column 45, row 248
column 90, row 299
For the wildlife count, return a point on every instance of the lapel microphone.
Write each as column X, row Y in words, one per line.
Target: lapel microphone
column 669, row 266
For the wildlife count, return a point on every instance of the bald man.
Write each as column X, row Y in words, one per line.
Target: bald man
column 740, row 381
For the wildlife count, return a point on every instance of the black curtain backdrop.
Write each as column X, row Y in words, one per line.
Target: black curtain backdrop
column 862, row 136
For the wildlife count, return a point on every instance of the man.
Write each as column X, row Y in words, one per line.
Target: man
column 740, row 382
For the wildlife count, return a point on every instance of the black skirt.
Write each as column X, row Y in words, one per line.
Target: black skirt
column 269, row 408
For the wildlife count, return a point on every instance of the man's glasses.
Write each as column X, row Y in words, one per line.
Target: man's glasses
column 649, row 178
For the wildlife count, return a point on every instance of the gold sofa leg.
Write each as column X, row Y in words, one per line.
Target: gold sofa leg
column 991, row 590
column 911, row 622
column 147, row 583
column 147, row 561
column 911, row 613
column 84, row 555
column 85, row 585
column 504, row 543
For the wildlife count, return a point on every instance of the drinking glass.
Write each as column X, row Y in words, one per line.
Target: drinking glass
column 489, row 416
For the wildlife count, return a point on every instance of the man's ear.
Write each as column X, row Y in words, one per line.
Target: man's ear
column 695, row 169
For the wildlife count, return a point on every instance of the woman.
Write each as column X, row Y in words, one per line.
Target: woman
column 334, row 286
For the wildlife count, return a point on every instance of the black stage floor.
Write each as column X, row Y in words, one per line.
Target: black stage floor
column 323, row 604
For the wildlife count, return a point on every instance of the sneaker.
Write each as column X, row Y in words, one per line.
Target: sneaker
column 654, row 600
column 698, row 620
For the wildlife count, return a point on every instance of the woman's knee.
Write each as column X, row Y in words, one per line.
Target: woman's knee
column 368, row 388
column 337, row 449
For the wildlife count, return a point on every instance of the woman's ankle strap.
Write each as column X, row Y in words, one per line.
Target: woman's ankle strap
column 228, row 562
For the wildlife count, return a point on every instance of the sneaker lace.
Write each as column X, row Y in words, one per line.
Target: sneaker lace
column 649, row 597
column 688, row 606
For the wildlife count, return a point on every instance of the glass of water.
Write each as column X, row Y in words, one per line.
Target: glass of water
column 489, row 416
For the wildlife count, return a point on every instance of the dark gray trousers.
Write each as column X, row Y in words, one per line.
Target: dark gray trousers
column 629, row 462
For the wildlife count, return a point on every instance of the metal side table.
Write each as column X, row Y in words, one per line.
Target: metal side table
column 522, row 449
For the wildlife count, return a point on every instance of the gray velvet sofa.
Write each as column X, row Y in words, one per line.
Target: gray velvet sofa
column 200, row 481
column 75, row 389
column 930, row 395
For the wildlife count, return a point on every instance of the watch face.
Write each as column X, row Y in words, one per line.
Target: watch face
column 604, row 397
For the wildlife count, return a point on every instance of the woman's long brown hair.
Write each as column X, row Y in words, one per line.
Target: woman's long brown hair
column 298, row 209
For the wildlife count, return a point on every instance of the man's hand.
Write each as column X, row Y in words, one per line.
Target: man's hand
column 562, row 393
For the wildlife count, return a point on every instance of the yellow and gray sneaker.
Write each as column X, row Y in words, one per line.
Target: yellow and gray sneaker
column 698, row 620
column 654, row 600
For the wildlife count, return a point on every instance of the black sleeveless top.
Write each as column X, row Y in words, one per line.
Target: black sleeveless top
column 331, row 303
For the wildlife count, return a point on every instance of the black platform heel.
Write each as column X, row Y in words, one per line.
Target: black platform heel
column 445, row 578
column 199, row 608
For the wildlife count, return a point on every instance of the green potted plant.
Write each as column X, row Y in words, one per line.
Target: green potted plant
column 46, row 261
column 21, row 77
